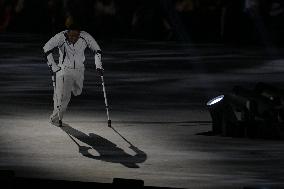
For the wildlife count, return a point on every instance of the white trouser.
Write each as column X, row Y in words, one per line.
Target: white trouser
column 67, row 80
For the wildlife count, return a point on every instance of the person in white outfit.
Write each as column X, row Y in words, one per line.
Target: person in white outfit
column 69, row 71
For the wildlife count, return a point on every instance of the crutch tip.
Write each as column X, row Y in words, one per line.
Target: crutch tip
column 109, row 123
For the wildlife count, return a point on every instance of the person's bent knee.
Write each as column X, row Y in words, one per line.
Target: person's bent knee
column 77, row 92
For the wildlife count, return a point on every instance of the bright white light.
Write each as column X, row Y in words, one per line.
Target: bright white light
column 215, row 100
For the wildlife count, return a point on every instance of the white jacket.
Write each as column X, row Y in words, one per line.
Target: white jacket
column 72, row 56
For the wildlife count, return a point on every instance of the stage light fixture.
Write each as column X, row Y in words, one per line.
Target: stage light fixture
column 228, row 113
column 248, row 113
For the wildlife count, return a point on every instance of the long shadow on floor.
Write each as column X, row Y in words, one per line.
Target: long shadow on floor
column 108, row 151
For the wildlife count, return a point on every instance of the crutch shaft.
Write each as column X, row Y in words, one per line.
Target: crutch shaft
column 106, row 102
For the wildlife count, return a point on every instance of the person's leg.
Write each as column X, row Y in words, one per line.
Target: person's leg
column 62, row 94
column 78, row 82
column 54, row 116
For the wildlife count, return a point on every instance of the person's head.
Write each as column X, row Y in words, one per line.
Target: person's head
column 73, row 36
column 73, row 33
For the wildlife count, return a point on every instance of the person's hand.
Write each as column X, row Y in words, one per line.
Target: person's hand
column 100, row 71
column 55, row 68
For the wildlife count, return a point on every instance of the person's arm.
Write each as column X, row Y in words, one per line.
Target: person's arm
column 93, row 45
column 48, row 49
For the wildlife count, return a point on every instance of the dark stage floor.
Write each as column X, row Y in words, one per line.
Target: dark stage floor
column 157, row 92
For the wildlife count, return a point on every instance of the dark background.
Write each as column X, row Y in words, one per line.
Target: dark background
column 219, row 21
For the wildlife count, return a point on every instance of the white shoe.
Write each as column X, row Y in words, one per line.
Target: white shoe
column 54, row 119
